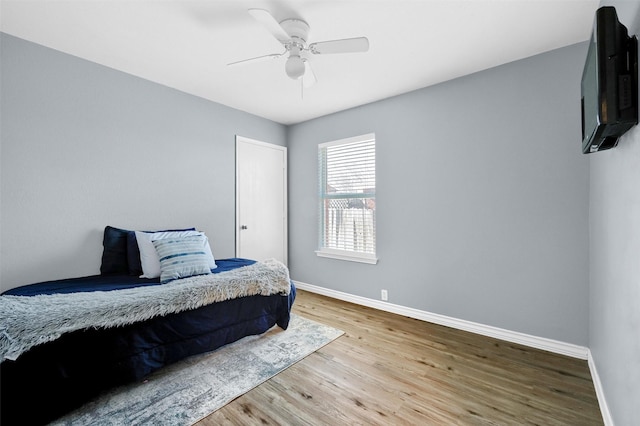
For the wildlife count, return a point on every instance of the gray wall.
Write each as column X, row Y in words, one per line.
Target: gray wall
column 482, row 192
column 84, row 146
column 482, row 199
column 614, row 326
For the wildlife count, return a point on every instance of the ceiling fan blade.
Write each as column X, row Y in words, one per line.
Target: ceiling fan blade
column 347, row 45
column 270, row 23
column 309, row 77
column 257, row 59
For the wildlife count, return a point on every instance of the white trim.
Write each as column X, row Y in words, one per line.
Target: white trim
column 597, row 384
column 352, row 256
column 568, row 349
column 353, row 139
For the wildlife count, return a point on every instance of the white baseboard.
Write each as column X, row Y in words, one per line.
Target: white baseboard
column 597, row 384
column 550, row 345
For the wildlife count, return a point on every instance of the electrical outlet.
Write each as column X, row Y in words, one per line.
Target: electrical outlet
column 384, row 295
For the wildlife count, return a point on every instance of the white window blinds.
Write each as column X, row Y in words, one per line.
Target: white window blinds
column 347, row 198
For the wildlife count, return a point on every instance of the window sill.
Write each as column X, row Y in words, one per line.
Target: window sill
column 348, row 256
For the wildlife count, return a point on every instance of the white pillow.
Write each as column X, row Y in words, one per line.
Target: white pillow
column 149, row 256
column 182, row 257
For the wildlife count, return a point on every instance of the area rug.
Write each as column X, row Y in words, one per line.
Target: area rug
column 186, row 392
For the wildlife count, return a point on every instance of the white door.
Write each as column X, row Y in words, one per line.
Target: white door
column 261, row 200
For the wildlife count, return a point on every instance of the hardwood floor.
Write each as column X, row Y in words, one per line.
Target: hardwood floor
column 388, row 369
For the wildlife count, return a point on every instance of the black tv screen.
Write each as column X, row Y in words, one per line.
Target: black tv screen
column 609, row 83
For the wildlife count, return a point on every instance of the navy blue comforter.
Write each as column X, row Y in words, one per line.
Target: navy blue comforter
column 54, row 378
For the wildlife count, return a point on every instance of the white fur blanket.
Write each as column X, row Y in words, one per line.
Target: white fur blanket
column 27, row 321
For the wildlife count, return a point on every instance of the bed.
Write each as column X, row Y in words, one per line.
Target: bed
column 52, row 378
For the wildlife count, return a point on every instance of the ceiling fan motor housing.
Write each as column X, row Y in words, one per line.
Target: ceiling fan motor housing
column 297, row 29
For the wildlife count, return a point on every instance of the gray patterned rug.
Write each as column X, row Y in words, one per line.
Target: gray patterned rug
column 186, row 392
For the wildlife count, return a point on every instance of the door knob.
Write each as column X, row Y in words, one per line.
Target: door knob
column 243, row 227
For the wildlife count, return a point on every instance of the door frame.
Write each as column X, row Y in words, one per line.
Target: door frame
column 283, row 149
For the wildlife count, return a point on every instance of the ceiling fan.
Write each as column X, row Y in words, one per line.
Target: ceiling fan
column 293, row 34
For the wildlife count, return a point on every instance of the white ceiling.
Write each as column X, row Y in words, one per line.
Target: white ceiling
column 188, row 44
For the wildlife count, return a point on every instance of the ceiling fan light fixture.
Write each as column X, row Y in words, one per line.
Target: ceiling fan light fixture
column 294, row 67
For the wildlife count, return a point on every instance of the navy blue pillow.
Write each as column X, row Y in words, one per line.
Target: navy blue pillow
column 114, row 254
column 133, row 251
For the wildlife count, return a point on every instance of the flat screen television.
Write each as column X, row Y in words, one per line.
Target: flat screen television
column 609, row 83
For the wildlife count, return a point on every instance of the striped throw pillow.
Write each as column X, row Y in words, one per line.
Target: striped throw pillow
column 182, row 257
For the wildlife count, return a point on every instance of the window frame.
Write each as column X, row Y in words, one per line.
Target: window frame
column 334, row 253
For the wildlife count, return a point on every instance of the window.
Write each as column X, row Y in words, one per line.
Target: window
column 347, row 199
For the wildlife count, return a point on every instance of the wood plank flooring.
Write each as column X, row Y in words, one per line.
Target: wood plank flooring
column 388, row 369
